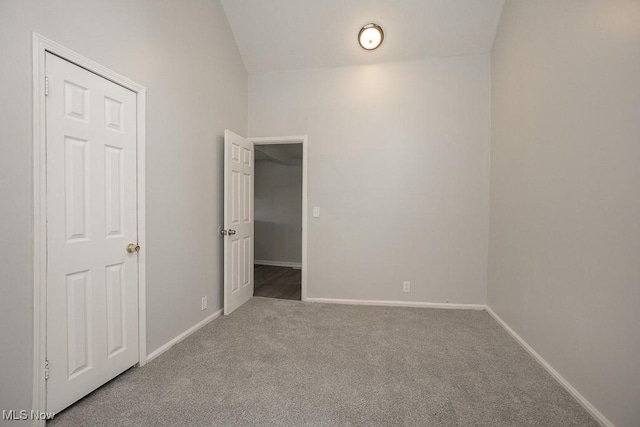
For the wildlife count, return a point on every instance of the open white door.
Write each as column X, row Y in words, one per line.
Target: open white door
column 238, row 221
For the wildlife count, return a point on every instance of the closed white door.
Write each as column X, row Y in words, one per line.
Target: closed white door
column 238, row 221
column 92, row 277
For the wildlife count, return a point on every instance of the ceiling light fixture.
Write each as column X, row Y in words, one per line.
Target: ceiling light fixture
column 370, row 36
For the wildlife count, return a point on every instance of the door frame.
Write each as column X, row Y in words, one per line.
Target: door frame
column 304, row 140
column 42, row 45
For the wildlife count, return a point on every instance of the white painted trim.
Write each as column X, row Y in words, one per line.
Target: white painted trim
column 141, row 116
column 555, row 374
column 157, row 352
column 385, row 303
column 304, row 140
column 278, row 263
column 41, row 45
column 38, row 398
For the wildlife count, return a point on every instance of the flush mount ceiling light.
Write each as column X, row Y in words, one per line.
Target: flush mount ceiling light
column 370, row 36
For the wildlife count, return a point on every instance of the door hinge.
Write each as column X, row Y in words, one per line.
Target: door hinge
column 46, row 369
column 46, row 86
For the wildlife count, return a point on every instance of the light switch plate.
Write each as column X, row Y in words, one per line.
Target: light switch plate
column 316, row 212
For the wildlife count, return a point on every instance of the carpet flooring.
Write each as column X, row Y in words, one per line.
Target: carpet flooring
column 288, row 363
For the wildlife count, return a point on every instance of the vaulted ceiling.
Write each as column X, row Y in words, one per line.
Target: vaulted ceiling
column 297, row 34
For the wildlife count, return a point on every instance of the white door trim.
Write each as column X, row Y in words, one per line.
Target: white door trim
column 304, row 140
column 41, row 45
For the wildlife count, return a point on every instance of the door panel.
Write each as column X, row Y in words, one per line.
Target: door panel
column 92, row 282
column 114, row 192
column 116, row 309
column 79, row 354
column 238, row 221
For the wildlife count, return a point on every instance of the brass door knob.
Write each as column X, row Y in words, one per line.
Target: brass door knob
column 132, row 247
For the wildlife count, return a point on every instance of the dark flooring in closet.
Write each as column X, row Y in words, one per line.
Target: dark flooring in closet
column 277, row 282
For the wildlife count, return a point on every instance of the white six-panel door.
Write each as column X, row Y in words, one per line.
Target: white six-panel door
column 92, row 285
column 238, row 221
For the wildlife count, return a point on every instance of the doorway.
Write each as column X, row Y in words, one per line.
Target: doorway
column 278, row 221
column 89, row 294
column 280, row 218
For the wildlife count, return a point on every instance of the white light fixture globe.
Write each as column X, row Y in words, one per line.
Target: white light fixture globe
column 370, row 36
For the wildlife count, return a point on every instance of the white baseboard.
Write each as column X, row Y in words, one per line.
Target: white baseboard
column 183, row 335
column 278, row 263
column 398, row 303
column 555, row 374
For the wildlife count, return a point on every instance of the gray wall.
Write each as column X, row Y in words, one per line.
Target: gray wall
column 399, row 165
column 564, row 268
column 278, row 212
column 185, row 55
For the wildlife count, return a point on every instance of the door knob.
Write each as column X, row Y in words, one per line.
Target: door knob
column 132, row 247
column 232, row 232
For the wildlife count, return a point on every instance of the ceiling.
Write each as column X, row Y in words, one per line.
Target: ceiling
column 277, row 35
column 285, row 154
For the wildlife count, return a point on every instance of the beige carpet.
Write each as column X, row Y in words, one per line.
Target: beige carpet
column 288, row 363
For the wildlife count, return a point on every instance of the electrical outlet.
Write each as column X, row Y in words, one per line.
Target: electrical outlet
column 406, row 286
column 203, row 304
